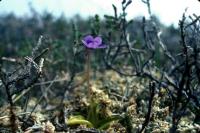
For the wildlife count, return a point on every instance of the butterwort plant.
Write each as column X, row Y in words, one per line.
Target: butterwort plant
column 91, row 43
column 93, row 120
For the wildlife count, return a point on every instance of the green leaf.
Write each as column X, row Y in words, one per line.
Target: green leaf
column 130, row 22
column 124, row 1
column 128, row 3
column 103, row 124
column 115, row 10
column 109, row 17
column 78, row 120
column 93, row 114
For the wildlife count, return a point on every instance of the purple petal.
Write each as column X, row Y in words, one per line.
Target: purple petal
column 85, row 43
column 98, row 40
column 102, row 46
column 91, row 45
column 88, row 39
column 95, row 45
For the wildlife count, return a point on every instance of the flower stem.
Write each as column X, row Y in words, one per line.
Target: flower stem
column 88, row 71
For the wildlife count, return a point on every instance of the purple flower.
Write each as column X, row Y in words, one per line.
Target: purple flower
column 93, row 42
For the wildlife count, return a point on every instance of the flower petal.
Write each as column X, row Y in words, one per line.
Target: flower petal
column 95, row 45
column 102, row 46
column 91, row 45
column 98, row 40
column 88, row 39
column 85, row 43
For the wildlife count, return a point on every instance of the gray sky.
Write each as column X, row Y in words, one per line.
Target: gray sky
column 169, row 11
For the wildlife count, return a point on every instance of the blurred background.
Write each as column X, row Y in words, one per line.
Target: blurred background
column 168, row 11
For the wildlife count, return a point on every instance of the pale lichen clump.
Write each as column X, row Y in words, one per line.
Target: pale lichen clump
column 116, row 128
column 158, row 127
column 186, row 126
column 103, row 100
